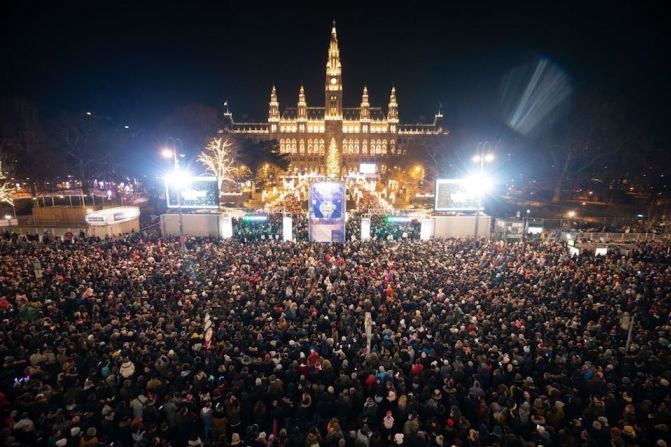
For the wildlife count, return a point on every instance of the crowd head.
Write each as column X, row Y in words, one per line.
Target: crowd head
column 137, row 341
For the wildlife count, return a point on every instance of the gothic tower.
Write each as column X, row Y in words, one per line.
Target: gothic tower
column 333, row 87
column 274, row 109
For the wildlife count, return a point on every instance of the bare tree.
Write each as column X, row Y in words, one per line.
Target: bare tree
column 594, row 141
column 6, row 188
column 218, row 160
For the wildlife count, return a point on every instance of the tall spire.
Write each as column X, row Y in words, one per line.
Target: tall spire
column 302, row 105
column 274, row 109
column 333, row 85
column 333, row 64
column 365, row 105
column 392, row 112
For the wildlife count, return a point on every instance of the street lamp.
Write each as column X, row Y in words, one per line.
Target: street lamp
column 176, row 180
column 481, row 158
column 526, row 225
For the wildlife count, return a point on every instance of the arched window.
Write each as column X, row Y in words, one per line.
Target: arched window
column 356, row 146
column 302, row 146
column 344, row 145
column 364, row 147
column 384, row 147
column 293, row 147
column 309, row 145
column 282, row 149
column 321, row 146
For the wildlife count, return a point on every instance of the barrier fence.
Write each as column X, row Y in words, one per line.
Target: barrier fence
column 616, row 237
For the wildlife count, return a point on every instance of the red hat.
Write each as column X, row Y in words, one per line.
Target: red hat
column 450, row 422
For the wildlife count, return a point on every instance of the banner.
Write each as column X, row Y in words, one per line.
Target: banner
column 368, row 327
column 365, row 228
column 426, row 230
column 287, row 224
column 326, row 207
column 226, row 227
column 37, row 267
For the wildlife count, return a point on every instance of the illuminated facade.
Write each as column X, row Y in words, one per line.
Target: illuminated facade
column 364, row 134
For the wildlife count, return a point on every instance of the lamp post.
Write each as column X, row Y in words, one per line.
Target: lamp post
column 171, row 152
column 526, row 225
column 481, row 158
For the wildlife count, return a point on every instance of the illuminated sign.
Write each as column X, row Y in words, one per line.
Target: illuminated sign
column 110, row 216
column 255, row 218
column 367, row 168
column 398, row 219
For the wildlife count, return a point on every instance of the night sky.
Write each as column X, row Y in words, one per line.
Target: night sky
column 138, row 62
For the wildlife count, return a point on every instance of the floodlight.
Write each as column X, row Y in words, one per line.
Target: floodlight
column 179, row 179
column 478, row 184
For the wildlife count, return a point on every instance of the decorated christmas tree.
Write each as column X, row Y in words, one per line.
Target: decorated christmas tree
column 333, row 159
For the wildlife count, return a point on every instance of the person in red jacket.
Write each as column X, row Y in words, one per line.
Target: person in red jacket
column 417, row 369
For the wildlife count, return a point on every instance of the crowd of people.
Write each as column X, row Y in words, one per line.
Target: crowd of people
column 141, row 342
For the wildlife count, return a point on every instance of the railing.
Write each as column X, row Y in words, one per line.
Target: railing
column 32, row 221
column 616, row 237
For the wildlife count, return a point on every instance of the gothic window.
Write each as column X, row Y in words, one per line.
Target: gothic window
column 302, row 146
column 309, row 146
column 364, row 147
column 282, row 149
column 356, row 146
column 384, row 147
column 321, row 146
column 293, row 147
column 351, row 147
column 344, row 146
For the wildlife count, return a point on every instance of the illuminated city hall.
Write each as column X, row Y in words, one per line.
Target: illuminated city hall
column 334, row 140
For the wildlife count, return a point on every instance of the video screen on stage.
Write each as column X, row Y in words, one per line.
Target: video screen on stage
column 327, row 212
column 455, row 195
column 200, row 192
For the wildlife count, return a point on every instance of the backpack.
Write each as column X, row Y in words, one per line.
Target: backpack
column 105, row 371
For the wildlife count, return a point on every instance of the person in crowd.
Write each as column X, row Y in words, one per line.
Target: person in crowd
column 136, row 342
